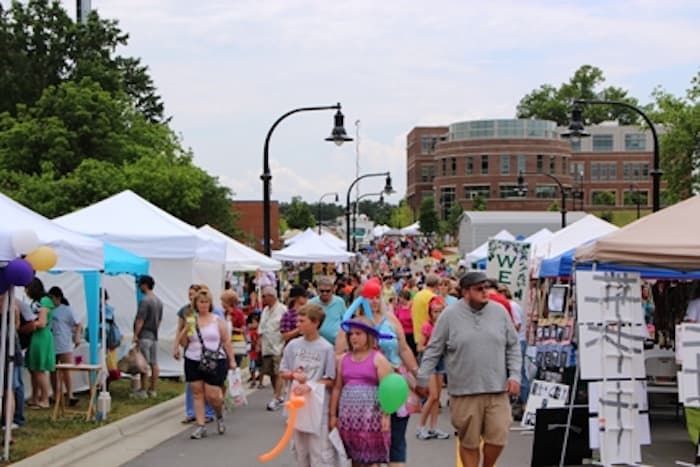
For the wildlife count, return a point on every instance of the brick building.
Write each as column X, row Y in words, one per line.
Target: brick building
column 482, row 159
column 250, row 221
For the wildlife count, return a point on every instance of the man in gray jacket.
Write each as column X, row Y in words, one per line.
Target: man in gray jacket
column 482, row 358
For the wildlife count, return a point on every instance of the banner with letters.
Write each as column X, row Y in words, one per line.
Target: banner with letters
column 508, row 263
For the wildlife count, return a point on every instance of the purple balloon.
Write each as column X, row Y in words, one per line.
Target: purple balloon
column 4, row 283
column 19, row 272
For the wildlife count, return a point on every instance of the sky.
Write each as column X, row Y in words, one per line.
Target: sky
column 227, row 69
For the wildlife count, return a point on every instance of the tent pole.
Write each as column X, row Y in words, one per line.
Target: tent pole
column 7, row 388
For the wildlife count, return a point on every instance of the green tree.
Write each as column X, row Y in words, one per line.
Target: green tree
column 378, row 212
column 428, row 216
column 401, row 215
column 454, row 216
column 478, row 203
column 298, row 214
column 551, row 103
column 41, row 46
column 554, row 207
column 680, row 140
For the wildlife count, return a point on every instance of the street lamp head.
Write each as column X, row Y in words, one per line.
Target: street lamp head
column 576, row 128
column 381, row 199
column 336, row 196
column 388, row 189
column 338, row 134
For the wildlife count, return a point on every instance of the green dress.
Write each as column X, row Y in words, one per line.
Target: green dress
column 41, row 355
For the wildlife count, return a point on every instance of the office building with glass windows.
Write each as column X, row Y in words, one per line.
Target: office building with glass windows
column 480, row 162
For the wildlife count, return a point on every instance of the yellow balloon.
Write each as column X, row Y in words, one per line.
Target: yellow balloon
column 42, row 259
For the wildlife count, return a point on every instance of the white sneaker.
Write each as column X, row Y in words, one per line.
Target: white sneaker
column 220, row 427
column 439, row 434
column 274, row 404
column 424, row 434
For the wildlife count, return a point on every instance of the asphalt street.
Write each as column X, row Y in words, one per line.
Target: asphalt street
column 252, row 431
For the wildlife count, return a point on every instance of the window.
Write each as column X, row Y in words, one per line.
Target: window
column 509, row 191
column 603, row 198
column 635, row 142
column 603, row 171
column 635, row 171
column 482, row 129
column 576, row 170
column 444, row 167
column 602, row 143
column 552, row 165
column 521, row 163
column 469, row 165
column 564, row 161
column 453, row 164
column 472, row 191
column 427, row 144
column 447, row 199
column 427, row 173
column 484, row 164
column 540, row 163
column 505, row 164
column 546, row 191
column 576, row 145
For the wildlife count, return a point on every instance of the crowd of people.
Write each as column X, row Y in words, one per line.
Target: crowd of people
column 436, row 324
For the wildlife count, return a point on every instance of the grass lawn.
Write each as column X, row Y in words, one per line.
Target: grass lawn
column 41, row 433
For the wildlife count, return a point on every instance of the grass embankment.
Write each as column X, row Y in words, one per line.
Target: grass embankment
column 40, row 432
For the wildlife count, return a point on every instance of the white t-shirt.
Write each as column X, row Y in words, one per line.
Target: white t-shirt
column 269, row 329
column 692, row 313
column 518, row 319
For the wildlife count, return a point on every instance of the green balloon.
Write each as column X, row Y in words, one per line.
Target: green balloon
column 392, row 393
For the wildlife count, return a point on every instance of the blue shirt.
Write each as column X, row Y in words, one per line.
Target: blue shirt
column 334, row 315
column 62, row 325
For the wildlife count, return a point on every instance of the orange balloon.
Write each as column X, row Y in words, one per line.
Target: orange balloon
column 292, row 405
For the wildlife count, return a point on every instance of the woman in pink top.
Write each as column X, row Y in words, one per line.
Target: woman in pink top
column 205, row 331
column 403, row 313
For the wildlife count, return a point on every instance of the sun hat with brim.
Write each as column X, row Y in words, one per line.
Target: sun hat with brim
column 353, row 323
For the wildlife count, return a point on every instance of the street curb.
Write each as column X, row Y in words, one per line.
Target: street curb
column 74, row 449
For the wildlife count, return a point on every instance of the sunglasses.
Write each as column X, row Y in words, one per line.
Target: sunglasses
column 324, row 291
column 480, row 288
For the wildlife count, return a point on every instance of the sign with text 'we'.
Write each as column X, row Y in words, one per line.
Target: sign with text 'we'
column 508, row 262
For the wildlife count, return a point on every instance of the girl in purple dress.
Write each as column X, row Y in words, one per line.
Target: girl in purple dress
column 354, row 408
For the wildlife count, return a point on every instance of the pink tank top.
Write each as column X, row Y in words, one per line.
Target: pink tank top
column 361, row 373
column 211, row 338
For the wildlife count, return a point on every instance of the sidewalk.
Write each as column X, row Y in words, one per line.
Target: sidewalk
column 116, row 443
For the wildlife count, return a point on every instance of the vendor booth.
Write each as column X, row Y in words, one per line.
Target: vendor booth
column 179, row 255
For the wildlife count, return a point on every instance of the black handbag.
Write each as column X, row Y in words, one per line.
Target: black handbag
column 209, row 361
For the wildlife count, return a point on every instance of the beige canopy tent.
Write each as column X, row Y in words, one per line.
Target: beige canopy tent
column 667, row 238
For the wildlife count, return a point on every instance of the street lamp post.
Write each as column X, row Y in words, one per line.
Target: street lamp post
column 522, row 190
column 388, row 189
column 634, row 190
column 576, row 131
column 355, row 209
column 338, row 136
column 319, row 207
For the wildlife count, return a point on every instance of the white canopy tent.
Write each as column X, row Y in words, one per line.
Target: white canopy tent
column 482, row 250
column 333, row 240
column 179, row 254
column 309, row 247
column 75, row 252
column 240, row 257
column 538, row 239
column 574, row 235
column 413, row 229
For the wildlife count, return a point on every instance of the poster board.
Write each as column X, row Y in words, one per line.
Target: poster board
column 543, row 395
column 508, row 262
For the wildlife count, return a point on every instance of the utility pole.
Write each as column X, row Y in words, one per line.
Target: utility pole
column 82, row 10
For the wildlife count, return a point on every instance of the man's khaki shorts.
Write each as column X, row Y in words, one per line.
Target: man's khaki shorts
column 481, row 416
column 270, row 365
